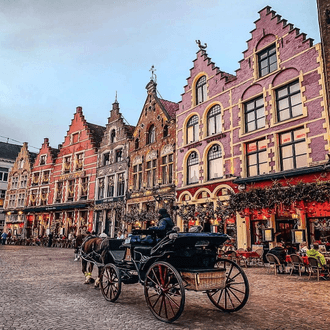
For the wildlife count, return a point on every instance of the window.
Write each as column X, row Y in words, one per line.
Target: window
column 67, row 164
column 84, row 188
column 112, row 136
column 70, row 190
column 120, row 184
column 79, row 162
column 214, row 120
column 21, row 163
column 192, row 129
column 12, row 199
column 101, row 188
column 35, row 179
column 2, row 197
column 165, row 131
column 106, row 159
column 43, row 196
column 293, row 149
column 151, row 134
column 42, row 159
column 45, row 177
column 33, row 197
column 14, row 184
column 136, row 144
column 20, row 200
column 201, row 90
column 151, row 173
column 288, row 101
column 167, row 169
column 23, row 182
column 192, row 165
column 75, row 137
column 111, row 186
column 59, row 190
column 257, row 158
column 137, row 176
column 119, row 155
column 214, row 162
column 267, row 61
column 3, row 174
column 254, row 114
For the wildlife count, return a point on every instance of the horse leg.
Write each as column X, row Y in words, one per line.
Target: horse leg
column 89, row 273
column 97, row 282
column 85, row 272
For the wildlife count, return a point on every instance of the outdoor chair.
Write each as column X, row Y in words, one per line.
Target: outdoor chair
column 297, row 263
column 315, row 268
column 260, row 260
column 273, row 261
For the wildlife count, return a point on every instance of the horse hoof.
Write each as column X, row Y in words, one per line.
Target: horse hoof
column 91, row 280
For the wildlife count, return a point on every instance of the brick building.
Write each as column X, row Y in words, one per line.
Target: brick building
column 268, row 122
column 112, row 176
column 152, row 160
column 17, row 193
column 72, row 187
column 37, row 208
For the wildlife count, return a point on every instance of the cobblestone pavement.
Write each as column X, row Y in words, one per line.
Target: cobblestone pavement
column 42, row 288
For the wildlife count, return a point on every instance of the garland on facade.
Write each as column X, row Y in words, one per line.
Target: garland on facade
column 279, row 197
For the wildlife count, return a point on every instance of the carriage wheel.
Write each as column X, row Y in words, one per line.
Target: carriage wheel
column 110, row 282
column 164, row 291
column 235, row 294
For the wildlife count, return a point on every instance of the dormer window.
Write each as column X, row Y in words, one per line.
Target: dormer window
column 119, row 155
column 201, row 90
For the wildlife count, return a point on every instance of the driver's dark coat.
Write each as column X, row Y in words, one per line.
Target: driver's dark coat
column 166, row 224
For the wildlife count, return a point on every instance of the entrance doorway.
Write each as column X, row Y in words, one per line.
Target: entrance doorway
column 284, row 233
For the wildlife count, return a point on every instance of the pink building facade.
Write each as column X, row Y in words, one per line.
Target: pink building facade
column 267, row 122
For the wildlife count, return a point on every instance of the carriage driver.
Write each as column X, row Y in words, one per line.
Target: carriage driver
column 165, row 222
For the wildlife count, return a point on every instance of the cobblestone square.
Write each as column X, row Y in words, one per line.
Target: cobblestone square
column 42, row 288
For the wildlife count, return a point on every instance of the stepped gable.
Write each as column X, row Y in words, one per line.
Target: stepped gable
column 9, row 151
column 227, row 77
column 52, row 151
column 170, row 107
column 270, row 23
column 96, row 132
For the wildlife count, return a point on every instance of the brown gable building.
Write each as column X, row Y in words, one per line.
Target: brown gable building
column 152, row 161
column 111, row 176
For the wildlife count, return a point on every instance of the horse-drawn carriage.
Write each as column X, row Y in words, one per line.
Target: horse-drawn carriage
column 168, row 267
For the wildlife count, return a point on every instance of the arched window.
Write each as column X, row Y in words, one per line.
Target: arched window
column 137, row 144
column 201, row 90
column 152, row 134
column 112, row 136
column 214, row 162
column 165, row 131
column 214, row 120
column 192, row 129
column 192, row 168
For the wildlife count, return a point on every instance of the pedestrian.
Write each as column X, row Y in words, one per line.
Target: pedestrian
column 50, row 239
column 3, row 238
column 120, row 235
column 9, row 237
column 280, row 253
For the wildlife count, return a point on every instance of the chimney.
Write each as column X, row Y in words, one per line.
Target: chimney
column 46, row 140
column 79, row 109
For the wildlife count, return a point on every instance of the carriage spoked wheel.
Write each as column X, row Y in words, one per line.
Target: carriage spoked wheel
column 110, row 282
column 164, row 291
column 235, row 293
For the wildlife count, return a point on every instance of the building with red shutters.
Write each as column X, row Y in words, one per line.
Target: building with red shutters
column 37, row 207
column 151, row 178
column 72, row 188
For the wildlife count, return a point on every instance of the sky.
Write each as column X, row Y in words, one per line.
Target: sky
column 56, row 55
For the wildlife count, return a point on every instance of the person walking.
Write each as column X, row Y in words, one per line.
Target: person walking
column 3, row 238
column 50, row 239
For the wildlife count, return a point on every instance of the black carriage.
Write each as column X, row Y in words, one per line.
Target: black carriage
column 178, row 262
